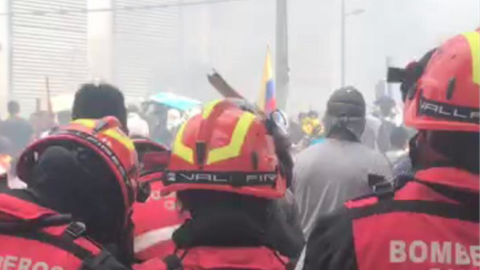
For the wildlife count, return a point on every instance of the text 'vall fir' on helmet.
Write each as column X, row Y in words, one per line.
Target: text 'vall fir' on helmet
column 446, row 95
column 233, row 147
column 104, row 139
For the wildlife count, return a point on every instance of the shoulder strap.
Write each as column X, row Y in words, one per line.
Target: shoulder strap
column 74, row 230
column 441, row 209
column 469, row 199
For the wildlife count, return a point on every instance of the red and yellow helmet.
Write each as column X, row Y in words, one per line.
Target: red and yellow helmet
column 228, row 147
column 105, row 138
column 446, row 97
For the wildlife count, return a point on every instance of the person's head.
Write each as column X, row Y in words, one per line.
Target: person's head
column 345, row 115
column 95, row 101
column 399, row 138
column 88, row 169
column 231, row 150
column 313, row 114
column 13, row 108
column 386, row 105
column 443, row 104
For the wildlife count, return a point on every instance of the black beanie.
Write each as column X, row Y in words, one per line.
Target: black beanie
column 97, row 101
column 346, row 102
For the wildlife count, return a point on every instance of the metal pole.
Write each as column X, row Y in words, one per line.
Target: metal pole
column 281, row 61
column 343, row 41
column 388, row 63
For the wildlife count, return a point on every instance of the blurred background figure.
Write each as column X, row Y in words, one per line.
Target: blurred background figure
column 386, row 114
column 157, row 118
column 372, row 126
column 399, row 145
column 42, row 122
column 340, row 168
column 16, row 129
column 137, row 126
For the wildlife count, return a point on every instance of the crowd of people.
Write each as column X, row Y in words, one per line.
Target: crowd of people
column 236, row 188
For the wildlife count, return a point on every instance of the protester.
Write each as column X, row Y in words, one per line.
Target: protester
column 227, row 181
column 399, row 145
column 42, row 122
column 370, row 133
column 16, row 129
column 94, row 101
column 157, row 118
column 81, row 183
column 157, row 218
column 386, row 115
column 432, row 222
column 340, row 168
column 295, row 131
column 137, row 126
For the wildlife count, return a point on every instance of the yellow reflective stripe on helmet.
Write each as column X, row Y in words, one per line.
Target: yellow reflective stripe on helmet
column 181, row 150
column 121, row 138
column 474, row 42
column 207, row 109
column 112, row 133
column 89, row 123
column 235, row 146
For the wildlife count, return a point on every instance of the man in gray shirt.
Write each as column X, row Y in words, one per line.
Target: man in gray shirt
column 340, row 168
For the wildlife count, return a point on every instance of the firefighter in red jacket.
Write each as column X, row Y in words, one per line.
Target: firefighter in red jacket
column 82, row 182
column 226, row 166
column 432, row 221
column 156, row 219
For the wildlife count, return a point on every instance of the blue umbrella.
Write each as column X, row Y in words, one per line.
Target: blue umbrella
column 175, row 101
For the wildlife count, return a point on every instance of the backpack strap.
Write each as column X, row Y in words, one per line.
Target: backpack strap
column 57, row 241
column 74, row 230
column 65, row 241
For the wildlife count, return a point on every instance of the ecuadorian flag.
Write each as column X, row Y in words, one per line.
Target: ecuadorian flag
column 268, row 100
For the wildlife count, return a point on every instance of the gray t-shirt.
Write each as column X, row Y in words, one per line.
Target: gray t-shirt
column 329, row 173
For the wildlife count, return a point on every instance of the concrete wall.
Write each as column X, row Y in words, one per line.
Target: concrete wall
column 4, row 57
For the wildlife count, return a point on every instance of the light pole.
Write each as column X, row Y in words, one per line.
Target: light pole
column 344, row 16
column 281, row 62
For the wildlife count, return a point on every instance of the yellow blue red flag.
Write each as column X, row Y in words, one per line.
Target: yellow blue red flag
column 268, row 101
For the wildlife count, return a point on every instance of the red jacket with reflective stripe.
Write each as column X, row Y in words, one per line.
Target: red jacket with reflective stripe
column 430, row 223
column 43, row 248
column 155, row 221
column 201, row 258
